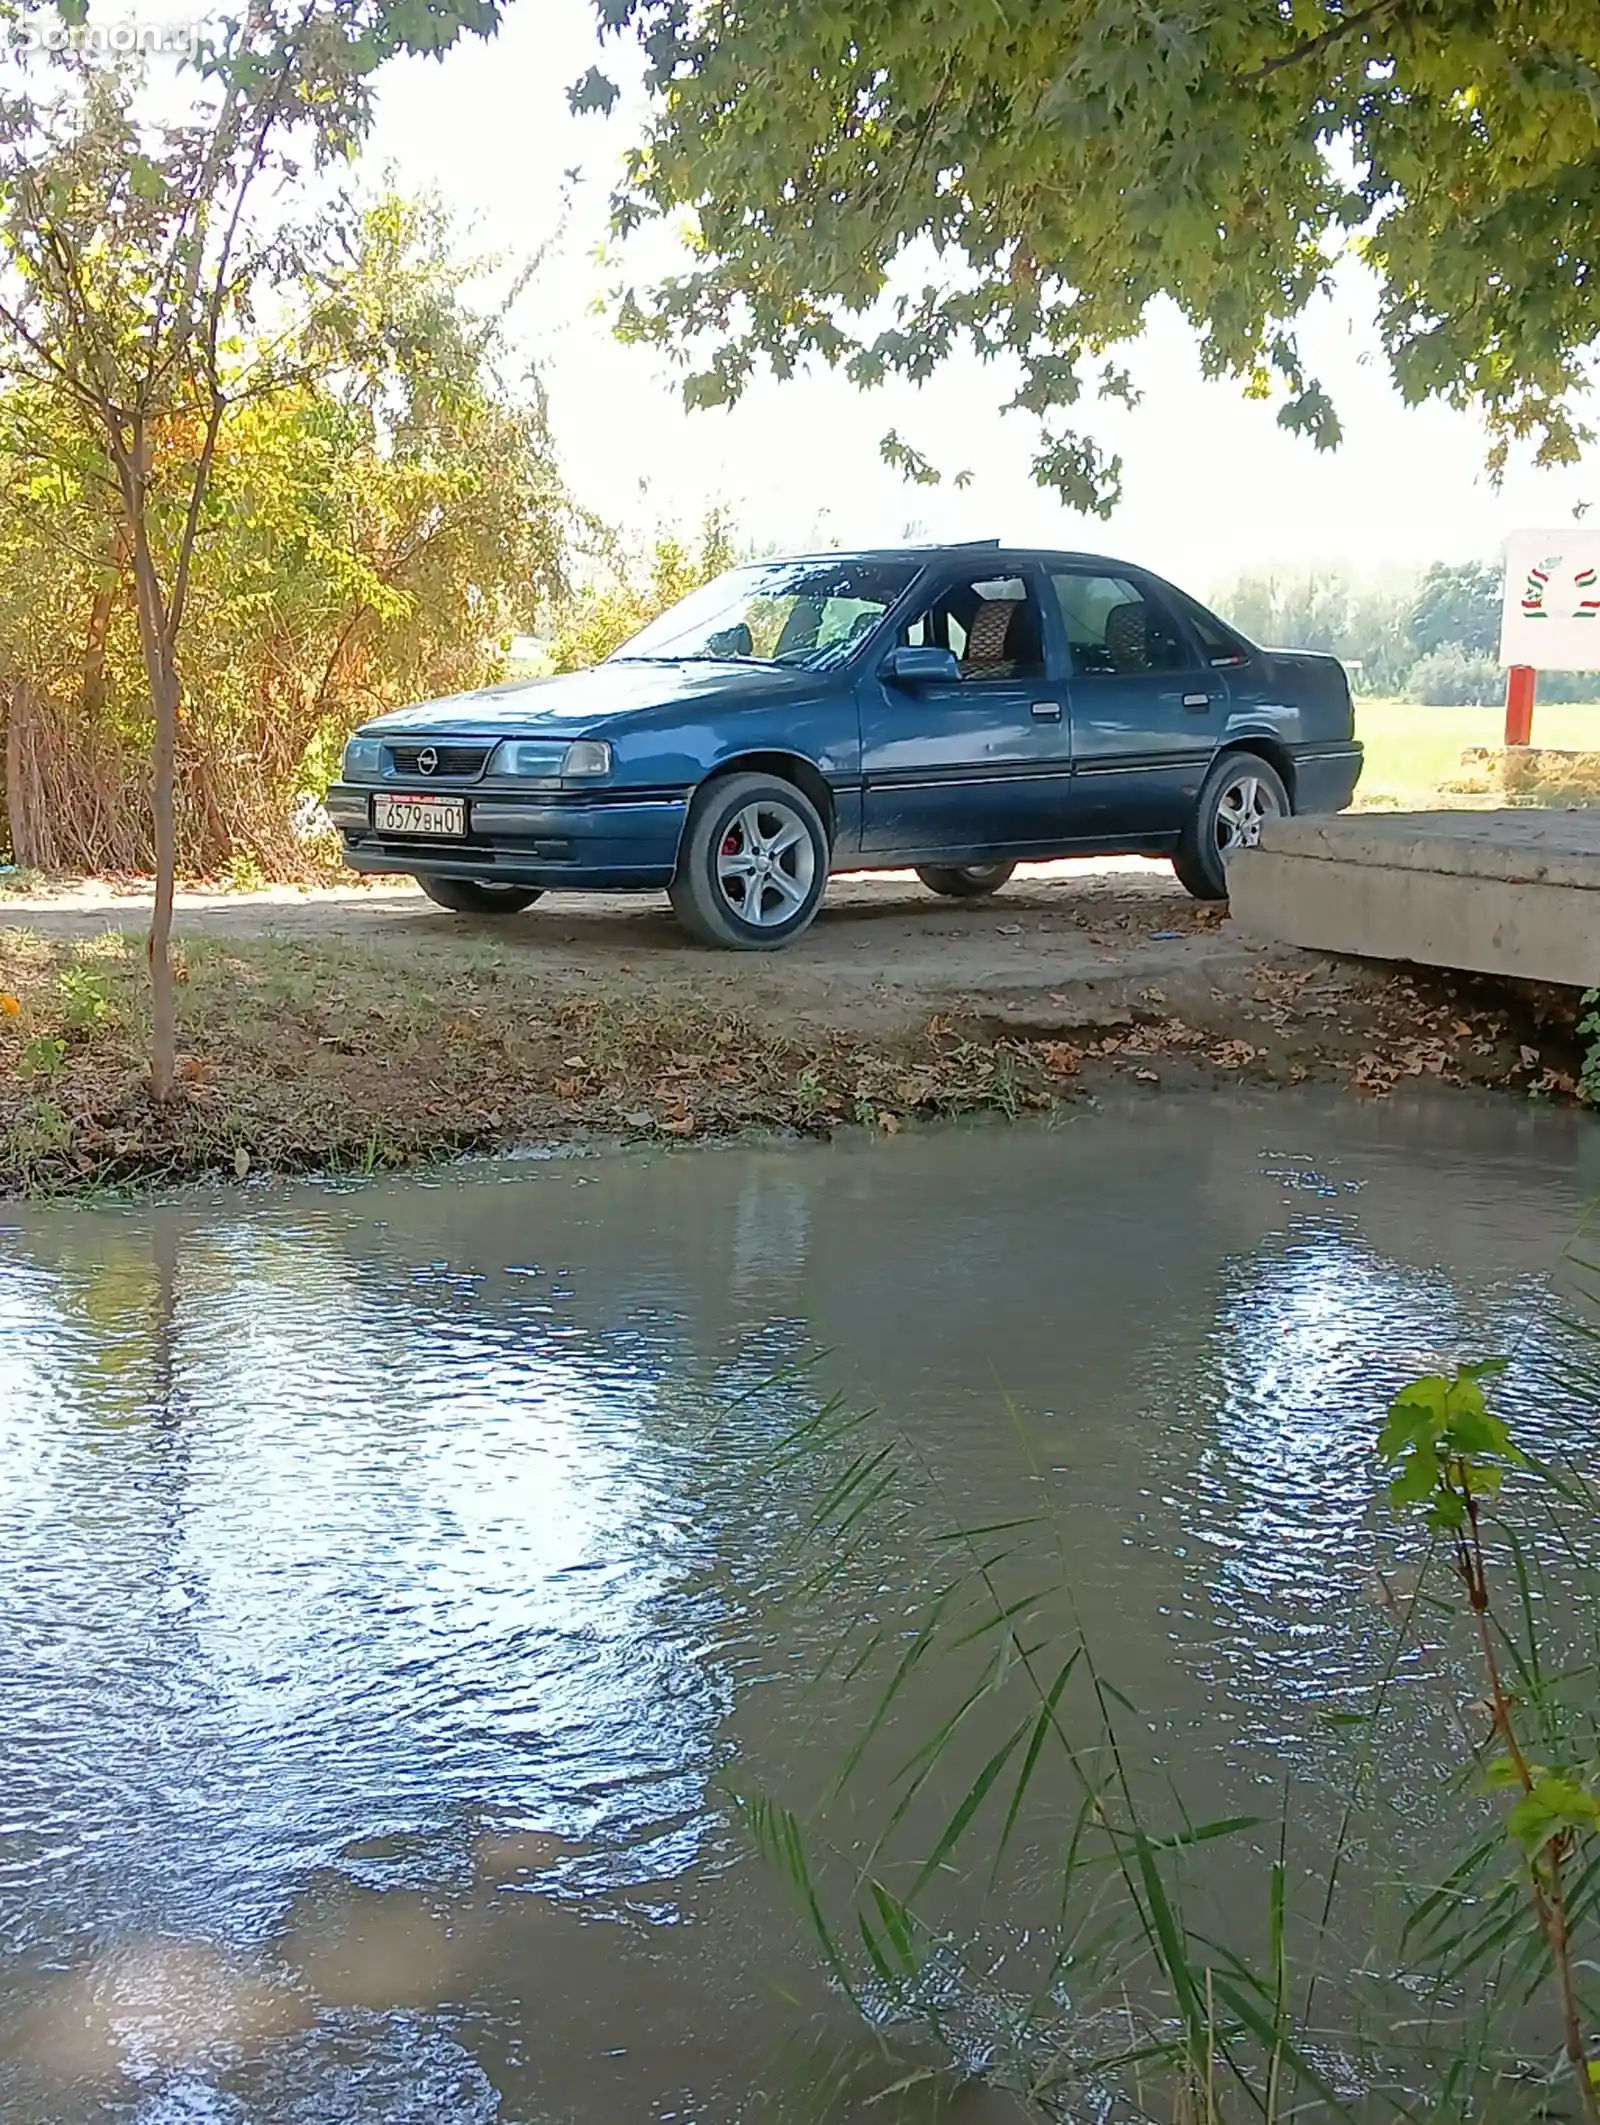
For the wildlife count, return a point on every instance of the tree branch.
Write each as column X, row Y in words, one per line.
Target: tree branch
column 52, row 361
column 219, row 404
column 191, row 521
column 1309, row 47
column 319, row 700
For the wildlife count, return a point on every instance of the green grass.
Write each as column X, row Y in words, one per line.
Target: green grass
column 1414, row 752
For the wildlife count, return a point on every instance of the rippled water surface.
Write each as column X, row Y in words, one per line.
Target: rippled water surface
column 385, row 1572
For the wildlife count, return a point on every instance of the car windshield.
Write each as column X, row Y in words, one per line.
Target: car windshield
column 810, row 614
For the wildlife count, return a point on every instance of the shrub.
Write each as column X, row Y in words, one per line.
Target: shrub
column 1454, row 678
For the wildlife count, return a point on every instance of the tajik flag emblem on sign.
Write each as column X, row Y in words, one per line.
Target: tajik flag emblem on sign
column 1551, row 617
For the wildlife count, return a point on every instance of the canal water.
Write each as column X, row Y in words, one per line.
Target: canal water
column 397, row 1578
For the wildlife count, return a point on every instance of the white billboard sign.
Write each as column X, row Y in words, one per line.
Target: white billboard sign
column 1551, row 618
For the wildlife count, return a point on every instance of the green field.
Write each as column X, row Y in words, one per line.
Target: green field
column 1414, row 752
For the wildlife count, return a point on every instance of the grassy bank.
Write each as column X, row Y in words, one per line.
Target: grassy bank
column 344, row 1058
column 1414, row 752
column 301, row 1054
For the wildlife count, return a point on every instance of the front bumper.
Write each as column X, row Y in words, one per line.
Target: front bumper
column 612, row 841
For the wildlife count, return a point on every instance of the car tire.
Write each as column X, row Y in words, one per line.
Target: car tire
column 1239, row 794
column 465, row 896
column 967, row 881
column 756, row 843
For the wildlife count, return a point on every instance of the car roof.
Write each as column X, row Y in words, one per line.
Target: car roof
column 964, row 549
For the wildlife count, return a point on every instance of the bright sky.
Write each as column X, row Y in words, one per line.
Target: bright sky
column 1213, row 485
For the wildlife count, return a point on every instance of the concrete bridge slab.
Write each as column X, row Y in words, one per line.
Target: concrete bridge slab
column 1504, row 892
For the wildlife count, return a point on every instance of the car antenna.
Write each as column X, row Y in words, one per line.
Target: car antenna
column 960, row 543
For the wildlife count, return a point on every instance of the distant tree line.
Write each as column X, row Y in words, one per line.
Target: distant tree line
column 1434, row 638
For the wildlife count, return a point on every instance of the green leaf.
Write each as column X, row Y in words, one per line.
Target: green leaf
column 1418, row 1479
column 1463, row 1399
column 595, row 92
column 971, row 1802
column 1501, row 1773
column 1416, row 1416
column 1272, row 2037
column 145, row 180
column 898, row 1925
column 1042, row 1725
column 705, row 390
column 1557, row 1804
column 1168, row 1938
column 1448, row 1512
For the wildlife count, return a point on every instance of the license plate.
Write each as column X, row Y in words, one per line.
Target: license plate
column 420, row 815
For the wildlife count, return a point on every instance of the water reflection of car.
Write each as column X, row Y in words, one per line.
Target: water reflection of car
column 956, row 711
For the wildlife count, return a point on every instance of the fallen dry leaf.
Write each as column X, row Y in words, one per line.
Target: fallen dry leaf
column 1060, row 1057
column 1555, row 1081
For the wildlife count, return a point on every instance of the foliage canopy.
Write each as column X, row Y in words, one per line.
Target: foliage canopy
column 1048, row 168
column 370, row 533
column 633, row 588
column 139, row 251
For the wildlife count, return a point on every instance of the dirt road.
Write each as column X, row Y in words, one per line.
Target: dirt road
column 1065, row 943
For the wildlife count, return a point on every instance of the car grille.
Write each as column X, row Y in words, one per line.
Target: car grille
column 457, row 762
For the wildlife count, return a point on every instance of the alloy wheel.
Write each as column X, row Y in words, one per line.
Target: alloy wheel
column 1243, row 808
column 766, row 864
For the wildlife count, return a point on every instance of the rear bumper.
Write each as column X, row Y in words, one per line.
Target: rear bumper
column 593, row 842
column 1326, row 781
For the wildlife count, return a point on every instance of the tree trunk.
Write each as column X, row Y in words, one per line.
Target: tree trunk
column 26, row 813
column 161, row 670
column 93, row 696
column 163, row 1025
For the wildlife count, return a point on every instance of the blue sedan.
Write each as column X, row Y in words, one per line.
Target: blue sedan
column 955, row 711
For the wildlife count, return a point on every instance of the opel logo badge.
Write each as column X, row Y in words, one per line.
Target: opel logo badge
column 428, row 760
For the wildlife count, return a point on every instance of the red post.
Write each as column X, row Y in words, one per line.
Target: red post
column 1521, row 680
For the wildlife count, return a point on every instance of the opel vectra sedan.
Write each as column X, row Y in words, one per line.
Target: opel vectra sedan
column 955, row 711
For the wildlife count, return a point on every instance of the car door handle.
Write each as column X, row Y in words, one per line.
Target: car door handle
column 1197, row 704
column 1047, row 711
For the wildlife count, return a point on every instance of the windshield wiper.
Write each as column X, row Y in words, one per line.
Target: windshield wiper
column 700, row 656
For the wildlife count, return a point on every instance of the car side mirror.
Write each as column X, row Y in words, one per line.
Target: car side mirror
column 913, row 668
column 736, row 642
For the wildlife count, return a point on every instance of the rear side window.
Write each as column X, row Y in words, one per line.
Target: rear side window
column 1219, row 645
column 1117, row 628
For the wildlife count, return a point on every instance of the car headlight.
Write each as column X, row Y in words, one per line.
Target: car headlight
column 549, row 760
column 533, row 759
column 363, row 759
column 587, row 757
